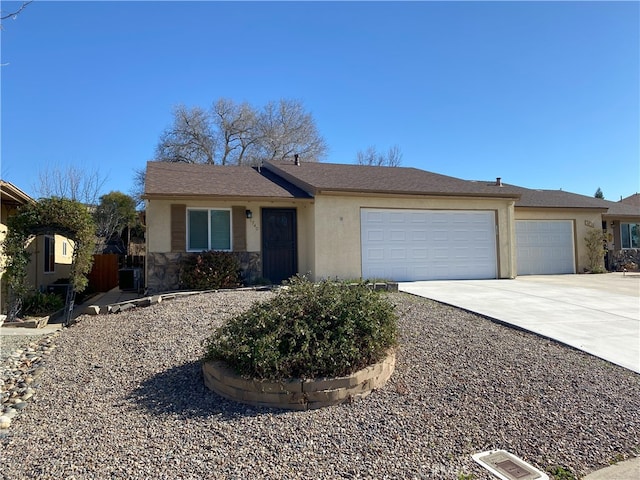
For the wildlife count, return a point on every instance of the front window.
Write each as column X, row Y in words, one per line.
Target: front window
column 49, row 254
column 629, row 235
column 208, row 229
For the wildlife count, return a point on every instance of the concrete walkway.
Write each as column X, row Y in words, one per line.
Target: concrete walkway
column 598, row 314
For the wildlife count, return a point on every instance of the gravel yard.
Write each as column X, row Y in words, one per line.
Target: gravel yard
column 122, row 397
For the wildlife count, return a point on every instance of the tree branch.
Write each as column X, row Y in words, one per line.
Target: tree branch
column 17, row 12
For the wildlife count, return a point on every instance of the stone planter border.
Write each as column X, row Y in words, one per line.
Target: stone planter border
column 31, row 322
column 297, row 394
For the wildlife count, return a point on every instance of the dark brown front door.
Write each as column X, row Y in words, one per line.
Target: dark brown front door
column 279, row 244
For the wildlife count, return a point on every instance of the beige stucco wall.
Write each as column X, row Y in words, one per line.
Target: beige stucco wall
column 159, row 224
column 329, row 227
column 583, row 221
column 337, row 229
column 36, row 274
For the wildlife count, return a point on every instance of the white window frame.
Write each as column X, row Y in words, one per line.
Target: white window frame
column 628, row 226
column 209, row 210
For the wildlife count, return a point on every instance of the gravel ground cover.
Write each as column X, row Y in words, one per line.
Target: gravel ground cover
column 122, row 397
column 10, row 343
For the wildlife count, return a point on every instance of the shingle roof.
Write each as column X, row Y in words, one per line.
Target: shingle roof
column 287, row 180
column 555, row 199
column 331, row 177
column 622, row 210
column 195, row 180
column 632, row 200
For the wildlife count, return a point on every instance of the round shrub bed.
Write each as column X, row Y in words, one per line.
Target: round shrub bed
column 297, row 393
column 307, row 333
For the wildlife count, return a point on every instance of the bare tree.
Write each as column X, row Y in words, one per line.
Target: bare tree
column 139, row 175
column 237, row 128
column 371, row 156
column 15, row 13
column 71, row 182
column 286, row 129
column 190, row 139
column 237, row 134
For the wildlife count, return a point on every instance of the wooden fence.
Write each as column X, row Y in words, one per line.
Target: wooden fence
column 104, row 273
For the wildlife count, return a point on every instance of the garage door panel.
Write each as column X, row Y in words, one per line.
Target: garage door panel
column 425, row 244
column 545, row 247
column 375, row 235
column 398, row 235
column 375, row 254
column 418, row 235
column 419, row 253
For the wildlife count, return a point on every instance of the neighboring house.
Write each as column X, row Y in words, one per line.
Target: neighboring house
column 51, row 255
column 622, row 225
column 353, row 221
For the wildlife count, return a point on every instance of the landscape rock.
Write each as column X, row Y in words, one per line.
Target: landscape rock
column 122, row 396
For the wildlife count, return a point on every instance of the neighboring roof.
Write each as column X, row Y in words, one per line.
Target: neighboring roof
column 196, row 180
column 533, row 198
column 12, row 195
column 632, row 200
column 317, row 178
column 622, row 210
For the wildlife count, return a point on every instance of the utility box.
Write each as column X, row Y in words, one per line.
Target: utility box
column 130, row 278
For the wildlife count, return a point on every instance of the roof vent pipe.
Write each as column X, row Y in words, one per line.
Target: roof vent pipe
column 296, row 159
column 498, row 182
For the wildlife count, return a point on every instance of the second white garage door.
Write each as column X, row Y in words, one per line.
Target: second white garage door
column 545, row 247
column 408, row 245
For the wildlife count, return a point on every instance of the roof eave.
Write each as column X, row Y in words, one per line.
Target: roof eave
column 346, row 191
column 564, row 207
column 245, row 198
column 625, row 216
column 14, row 194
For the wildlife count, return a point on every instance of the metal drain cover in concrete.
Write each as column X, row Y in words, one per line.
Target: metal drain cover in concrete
column 507, row 466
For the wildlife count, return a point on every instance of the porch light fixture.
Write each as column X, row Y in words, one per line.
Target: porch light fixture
column 248, row 213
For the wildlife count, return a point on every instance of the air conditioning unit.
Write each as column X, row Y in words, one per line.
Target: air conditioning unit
column 130, row 278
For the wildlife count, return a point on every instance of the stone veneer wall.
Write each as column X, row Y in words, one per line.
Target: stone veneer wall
column 163, row 269
column 297, row 394
column 629, row 257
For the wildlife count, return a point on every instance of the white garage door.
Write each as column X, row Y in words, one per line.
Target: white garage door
column 407, row 245
column 545, row 247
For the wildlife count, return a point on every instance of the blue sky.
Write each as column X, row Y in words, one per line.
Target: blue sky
column 543, row 94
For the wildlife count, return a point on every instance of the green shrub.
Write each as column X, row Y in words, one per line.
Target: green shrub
column 210, row 270
column 308, row 330
column 561, row 473
column 594, row 244
column 38, row 304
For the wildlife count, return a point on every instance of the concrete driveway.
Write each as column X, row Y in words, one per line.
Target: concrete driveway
column 598, row 314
